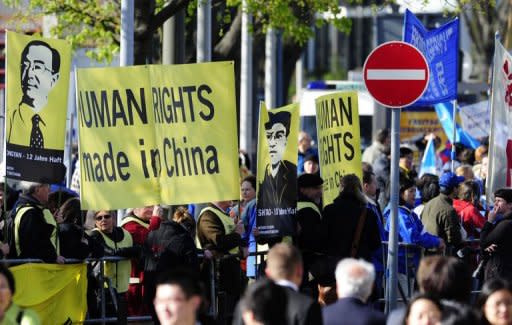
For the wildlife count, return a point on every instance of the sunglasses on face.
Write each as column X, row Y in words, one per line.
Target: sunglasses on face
column 106, row 216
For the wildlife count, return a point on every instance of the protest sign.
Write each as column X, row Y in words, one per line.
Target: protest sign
column 339, row 142
column 157, row 134
column 277, row 170
column 36, row 106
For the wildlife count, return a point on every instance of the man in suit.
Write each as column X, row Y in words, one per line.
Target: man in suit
column 284, row 267
column 354, row 282
column 278, row 190
column 40, row 65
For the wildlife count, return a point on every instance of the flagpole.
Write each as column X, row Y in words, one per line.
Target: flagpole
column 497, row 39
column 454, row 134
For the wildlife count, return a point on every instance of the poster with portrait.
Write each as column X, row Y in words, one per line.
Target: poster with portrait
column 276, row 202
column 36, row 104
column 339, row 140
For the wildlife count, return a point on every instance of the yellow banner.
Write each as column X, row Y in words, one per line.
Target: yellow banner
column 277, row 170
column 339, row 141
column 157, row 134
column 58, row 293
column 36, row 105
column 415, row 123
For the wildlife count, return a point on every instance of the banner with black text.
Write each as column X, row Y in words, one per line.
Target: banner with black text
column 339, row 141
column 157, row 134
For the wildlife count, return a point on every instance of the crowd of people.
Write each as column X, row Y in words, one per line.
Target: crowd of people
column 331, row 271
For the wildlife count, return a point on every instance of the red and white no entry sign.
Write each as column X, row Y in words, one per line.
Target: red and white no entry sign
column 396, row 74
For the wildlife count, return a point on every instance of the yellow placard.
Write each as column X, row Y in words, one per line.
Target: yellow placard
column 157, row 134
column 339, row 141
column 36, row 105
column 277, row 170
column 414, row 123
column 58, row 293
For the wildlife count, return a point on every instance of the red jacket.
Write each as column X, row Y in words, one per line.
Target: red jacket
column 136, row 306
column 470, row 217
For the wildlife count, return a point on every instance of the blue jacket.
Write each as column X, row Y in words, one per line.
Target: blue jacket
column 378, row 254
column 410, row 231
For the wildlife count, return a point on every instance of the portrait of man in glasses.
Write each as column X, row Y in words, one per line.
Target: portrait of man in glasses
column 39, row 72
column 278, row 190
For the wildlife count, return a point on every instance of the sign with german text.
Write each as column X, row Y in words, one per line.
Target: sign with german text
column 36, row 106
column 276, row 202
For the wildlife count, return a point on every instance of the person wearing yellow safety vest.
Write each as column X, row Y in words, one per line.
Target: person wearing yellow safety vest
column 311, row 230
column 35, row 228
column 217, row 232
column 139, row 222
column 116, row 242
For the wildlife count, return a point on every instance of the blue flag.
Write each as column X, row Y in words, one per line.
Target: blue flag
column 445, row 115
column 440, row 47
column 428, row 162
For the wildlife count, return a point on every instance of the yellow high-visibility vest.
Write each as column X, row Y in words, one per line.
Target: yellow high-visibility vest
column 48, row 218
column 118, row 272
column 135, row 219
column 227, row 222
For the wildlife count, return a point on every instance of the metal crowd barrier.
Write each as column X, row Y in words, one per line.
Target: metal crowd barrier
column 215, row 291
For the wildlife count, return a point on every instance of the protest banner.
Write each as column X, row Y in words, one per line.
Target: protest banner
column 500, row 141
column 58, row 293
column 276, row 202
column 36, row 105
column 339, row 141
column 157, row 134
column 475, row 119
column 440, row 47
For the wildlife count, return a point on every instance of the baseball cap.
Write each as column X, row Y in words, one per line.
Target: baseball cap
column 450, row 180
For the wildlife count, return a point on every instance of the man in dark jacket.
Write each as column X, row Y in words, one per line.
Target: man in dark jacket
column 165, row 249
column 35, row 228
column 439, row 217
column 354, row 282
column 496, row 236
column 284, row 267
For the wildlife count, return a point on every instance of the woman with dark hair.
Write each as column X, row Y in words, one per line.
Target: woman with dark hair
column 75, row 243
column 10, row 313
column 495, row 302
column 467, row 208
column 410, row 231
column 428, row 186
column 423, row 309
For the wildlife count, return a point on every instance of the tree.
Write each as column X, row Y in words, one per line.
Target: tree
column 96, row 24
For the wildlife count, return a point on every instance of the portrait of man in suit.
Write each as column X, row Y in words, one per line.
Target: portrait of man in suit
column 39, row 72
column 279, row 186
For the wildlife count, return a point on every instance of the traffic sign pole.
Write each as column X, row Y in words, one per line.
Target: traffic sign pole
column 396, row 75
column 392, row 263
